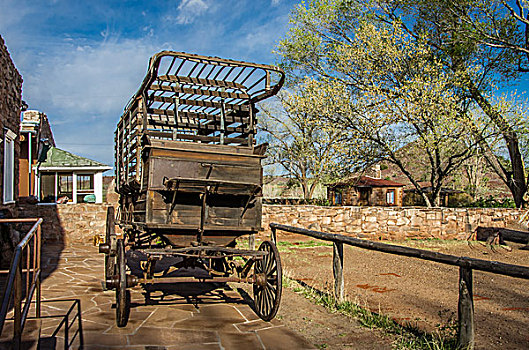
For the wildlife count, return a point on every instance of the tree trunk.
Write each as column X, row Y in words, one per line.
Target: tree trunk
column 516, row 178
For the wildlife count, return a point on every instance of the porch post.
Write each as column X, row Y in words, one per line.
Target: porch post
column 74, row 187
column 98, row 186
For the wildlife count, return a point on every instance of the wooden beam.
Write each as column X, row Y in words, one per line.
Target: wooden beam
column 200, row 81
column 209, row 128
column 169, row 134
column 195, row 116
column 200, row 92
column 199, row 103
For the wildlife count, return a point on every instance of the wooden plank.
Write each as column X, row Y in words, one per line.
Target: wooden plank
column 208, row 157
column 199, row 103
column 465, row 310
column 200, row 81
column 209, row 128
column 211, row 148
column 337, row 268
column 206, row 228
column 195, row 116
column 200, row 92
column 214, row 104
column 169, row 135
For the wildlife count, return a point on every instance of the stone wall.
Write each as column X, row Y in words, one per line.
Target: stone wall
column 391, row 223
column 10, row 103
column 68, row 223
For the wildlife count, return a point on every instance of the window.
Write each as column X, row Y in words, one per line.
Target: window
column 85, row 187
column 47, row 187
column 337, row 198
column 390, row 197
column 65, row 190
column 9, row 166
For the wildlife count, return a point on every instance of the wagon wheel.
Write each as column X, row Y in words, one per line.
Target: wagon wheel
column 122, row 294
column 267, row 289
column 110, row 241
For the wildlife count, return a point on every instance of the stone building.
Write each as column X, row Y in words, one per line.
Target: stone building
column 365, row 191
column 10, row 104
column 35, row 130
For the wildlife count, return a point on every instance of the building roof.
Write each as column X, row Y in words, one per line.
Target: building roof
column 366, row 181
column 58, row 158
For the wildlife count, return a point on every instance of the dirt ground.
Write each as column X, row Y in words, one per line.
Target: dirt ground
column 409, row 290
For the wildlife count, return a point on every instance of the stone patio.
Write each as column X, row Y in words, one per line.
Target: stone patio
column 173, row 319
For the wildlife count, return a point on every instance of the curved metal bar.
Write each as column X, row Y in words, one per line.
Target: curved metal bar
column 154, row 63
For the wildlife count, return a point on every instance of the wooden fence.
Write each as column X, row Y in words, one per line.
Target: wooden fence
column 466, row 330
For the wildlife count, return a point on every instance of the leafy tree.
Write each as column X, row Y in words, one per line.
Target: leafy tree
column 302, row 146
column 485, row 43
column 416, row 55
column 382, row 86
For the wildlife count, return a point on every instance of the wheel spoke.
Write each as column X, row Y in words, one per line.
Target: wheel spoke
column 270, row 301
column 262, row 301
column 271, row 287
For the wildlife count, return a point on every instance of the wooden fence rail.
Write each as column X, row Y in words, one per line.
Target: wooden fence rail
column 466, row 330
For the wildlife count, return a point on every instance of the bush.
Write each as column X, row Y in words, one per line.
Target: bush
column 459, row 200
column 491, row 202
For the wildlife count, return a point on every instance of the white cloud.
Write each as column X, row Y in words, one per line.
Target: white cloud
column 84, row 88
column 89, row 79
column 190, row 9
column 275, row 2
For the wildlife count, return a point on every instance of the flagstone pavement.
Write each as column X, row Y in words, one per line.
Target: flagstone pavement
column 216, row 319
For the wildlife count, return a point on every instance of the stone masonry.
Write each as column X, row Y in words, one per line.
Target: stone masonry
column 68, row 223
column 391, row 223
column 10, row 103
column 79, row 223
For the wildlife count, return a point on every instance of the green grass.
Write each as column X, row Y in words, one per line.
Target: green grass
column 408, row 335
column 304, row 244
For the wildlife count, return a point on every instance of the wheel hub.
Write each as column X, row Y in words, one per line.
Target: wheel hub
column 260, row 279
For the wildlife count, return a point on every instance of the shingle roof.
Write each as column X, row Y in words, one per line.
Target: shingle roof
column 366, row 181
column 56, row 157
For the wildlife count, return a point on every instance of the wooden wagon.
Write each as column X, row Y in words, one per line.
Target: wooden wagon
column 189, row 176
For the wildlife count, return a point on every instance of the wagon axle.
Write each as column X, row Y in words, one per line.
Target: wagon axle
column 133, row 281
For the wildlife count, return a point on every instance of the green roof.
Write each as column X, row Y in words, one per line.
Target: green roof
column 56, row 158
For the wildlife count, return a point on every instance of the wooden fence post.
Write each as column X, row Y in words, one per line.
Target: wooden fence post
column 465, row 309
column 337, row 268
column 251, row 241
column 273, row 235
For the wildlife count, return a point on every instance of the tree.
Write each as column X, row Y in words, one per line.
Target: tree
column 318, row 46
column 382, row 86
column 485, row 43
column 303, row 147
column 498, row 24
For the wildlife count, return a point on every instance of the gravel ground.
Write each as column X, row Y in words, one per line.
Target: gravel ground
column 422, row 292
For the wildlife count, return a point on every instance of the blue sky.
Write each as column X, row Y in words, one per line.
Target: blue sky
column 82, row 60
